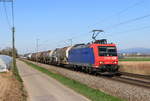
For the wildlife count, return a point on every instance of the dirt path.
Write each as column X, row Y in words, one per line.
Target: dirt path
column 41, row 87
column 10, row 88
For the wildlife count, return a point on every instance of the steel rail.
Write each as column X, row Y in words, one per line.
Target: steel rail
column 147, row 77
column 135, row 82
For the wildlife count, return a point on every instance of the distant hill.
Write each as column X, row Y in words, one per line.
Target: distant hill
column 135, row 50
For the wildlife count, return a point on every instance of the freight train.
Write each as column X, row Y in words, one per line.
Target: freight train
column 95, row 57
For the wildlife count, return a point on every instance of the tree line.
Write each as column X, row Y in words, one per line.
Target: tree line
column 8, row 51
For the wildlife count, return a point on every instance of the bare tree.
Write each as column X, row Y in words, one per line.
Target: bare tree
column 8, row 51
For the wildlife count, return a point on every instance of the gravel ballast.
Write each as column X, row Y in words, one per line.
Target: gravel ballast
column 114, row 88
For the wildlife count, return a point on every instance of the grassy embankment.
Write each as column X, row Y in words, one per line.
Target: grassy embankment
column 17, row 76
column 92, row 94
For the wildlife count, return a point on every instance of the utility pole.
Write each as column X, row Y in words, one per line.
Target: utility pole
column 13, row 32
column 13, row 36
column 70, row 41
column 37, row 49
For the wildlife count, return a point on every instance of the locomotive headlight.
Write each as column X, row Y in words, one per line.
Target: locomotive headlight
column 101, row 62
column 115, row 62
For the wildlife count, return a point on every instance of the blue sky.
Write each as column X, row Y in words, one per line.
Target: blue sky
column 54, row 22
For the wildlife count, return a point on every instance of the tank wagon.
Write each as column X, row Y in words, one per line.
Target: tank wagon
column 27, row 56
column 39, row 57
column 45, row 57
column 60, row 56
column 33, row 56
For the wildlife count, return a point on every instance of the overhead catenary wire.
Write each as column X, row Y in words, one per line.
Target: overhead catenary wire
column 128, row 21
column 132, row 6
column 132, row 30
column 118, row 13
column 117, row 24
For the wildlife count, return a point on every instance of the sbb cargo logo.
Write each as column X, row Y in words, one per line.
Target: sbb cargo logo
column 110, row 58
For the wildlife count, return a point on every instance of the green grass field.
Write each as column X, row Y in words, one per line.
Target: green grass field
column 92, row 94
column 135, row 59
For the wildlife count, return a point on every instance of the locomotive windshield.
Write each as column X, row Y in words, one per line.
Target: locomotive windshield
column 107, row 51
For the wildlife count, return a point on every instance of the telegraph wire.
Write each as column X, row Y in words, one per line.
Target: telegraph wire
column 13, row 17
column 6, row 14
column 0, row 11
column 13, row 31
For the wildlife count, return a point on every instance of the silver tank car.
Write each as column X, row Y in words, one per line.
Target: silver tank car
column 45, row 57
column 61, row 55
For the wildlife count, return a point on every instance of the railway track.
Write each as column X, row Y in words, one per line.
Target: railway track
column 134, row 79
column 128, row 78
column 146, row 77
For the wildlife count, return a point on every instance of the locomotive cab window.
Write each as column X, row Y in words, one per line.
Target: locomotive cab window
column 107, row 51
